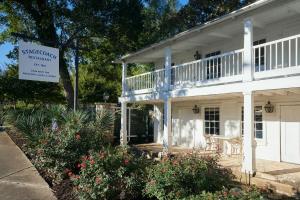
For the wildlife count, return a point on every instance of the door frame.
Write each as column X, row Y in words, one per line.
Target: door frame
column 280, row 135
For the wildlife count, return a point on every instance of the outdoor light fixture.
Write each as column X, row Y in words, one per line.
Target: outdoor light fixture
column 197, row 55
column 269, row 108
column 196, row 109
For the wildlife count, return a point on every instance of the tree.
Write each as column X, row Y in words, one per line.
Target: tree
column 61, row 23
column 13, row 89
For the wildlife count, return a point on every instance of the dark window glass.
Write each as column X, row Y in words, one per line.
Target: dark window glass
column 212, row 124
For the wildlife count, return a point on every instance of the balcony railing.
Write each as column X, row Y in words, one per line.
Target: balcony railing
column 275, row 58
column 207, row 70
column 146, row 81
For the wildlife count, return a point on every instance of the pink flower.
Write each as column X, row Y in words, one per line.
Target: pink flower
column 126, row 161
column 92, row 162
column 83, row 165
column 77, row 136
column 98, row 180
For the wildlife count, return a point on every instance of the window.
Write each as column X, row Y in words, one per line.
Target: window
column 213, row 66
column 172, row 74
column 258, row 122
column 259, row 56
column 212, row 121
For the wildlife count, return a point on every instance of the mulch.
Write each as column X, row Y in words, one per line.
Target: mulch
column 64, row 189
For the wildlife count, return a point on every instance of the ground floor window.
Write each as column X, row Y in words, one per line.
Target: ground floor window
column 212, row 121
column 258, row 122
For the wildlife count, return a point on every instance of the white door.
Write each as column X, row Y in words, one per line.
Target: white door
column 187, row 127
column 290, row 134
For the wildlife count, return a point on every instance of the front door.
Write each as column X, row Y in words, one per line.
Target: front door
column 187, row 128
column 290, row 134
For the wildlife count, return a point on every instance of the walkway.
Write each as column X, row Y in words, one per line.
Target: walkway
column 18, row 177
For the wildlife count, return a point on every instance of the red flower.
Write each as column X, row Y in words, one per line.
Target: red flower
column 77, row 136
column 98, row 180
column 83, row 165
column 126, row 161
column 67, row 170
column 70, row 174
column 78, row 165
column 92, row 162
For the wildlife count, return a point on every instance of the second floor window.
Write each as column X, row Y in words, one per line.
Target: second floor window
column 213, row 66
column 259, row 56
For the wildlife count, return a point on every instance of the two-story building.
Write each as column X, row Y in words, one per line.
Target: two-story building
column 235, row 76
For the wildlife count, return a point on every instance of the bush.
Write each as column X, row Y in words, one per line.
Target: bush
column 113, row 173
column 250, row 193
column 75, row 136
column 180, row 177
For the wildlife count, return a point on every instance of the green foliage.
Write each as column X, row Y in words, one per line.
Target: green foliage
column 113, row 173
column 31, row 122
column 3, row 114
column 75, row 136
column 13, row 89
column 180, row 177
column 250, row 193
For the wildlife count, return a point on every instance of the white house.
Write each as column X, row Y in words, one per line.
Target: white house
column 234, row 69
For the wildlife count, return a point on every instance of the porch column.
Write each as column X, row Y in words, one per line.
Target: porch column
column 124, row 74
column 167, row 136
column 249, row 161
column 158, row 123
column 248, row 52
column 167, row 81
column 123, row 132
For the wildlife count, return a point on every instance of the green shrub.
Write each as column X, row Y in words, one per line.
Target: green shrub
column 113, row 173
column 180, row 177
column 75, row 136
column 250, row 193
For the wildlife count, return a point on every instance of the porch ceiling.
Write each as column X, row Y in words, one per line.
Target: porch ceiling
column 230, row 26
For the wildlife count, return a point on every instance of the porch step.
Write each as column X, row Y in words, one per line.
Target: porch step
column 266, row 176
column 267, row 181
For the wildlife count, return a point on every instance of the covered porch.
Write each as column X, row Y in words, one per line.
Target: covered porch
column 281, row 177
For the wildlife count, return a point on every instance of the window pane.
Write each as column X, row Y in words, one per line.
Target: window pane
column 259, row 134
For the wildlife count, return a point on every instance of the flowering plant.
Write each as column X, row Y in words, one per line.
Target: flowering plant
column 179, row 177
column 113, row 173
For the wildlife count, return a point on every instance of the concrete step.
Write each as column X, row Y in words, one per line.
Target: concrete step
column 266, row 176
column 266, row 181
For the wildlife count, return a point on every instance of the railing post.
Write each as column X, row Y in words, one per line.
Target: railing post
column 167, row 79
column 248, row 51
column 124, row 74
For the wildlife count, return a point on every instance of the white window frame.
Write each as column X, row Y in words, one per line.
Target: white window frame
column 219, row 121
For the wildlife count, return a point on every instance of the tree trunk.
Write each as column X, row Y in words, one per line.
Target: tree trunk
column 66, row 80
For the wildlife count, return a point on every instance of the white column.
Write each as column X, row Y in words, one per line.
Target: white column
column 248, row 51
column 124, row 74
column 158, row 123
column 249, row 161
column 167, row 136
column 168, row 62
column 123, row 132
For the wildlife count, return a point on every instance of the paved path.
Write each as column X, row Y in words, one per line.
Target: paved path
column 19, row 180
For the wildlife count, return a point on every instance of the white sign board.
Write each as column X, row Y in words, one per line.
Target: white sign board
column 38, row 63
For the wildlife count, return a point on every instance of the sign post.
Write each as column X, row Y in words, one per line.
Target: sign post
column 38, row 63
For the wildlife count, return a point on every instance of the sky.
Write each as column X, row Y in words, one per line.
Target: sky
column 6, row 47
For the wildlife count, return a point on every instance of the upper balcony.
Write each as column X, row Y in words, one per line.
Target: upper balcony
column 278, row 58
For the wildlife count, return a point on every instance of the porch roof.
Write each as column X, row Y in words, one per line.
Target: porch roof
column 217, row 29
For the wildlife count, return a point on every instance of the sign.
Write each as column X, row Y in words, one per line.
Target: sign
column 38, row 63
